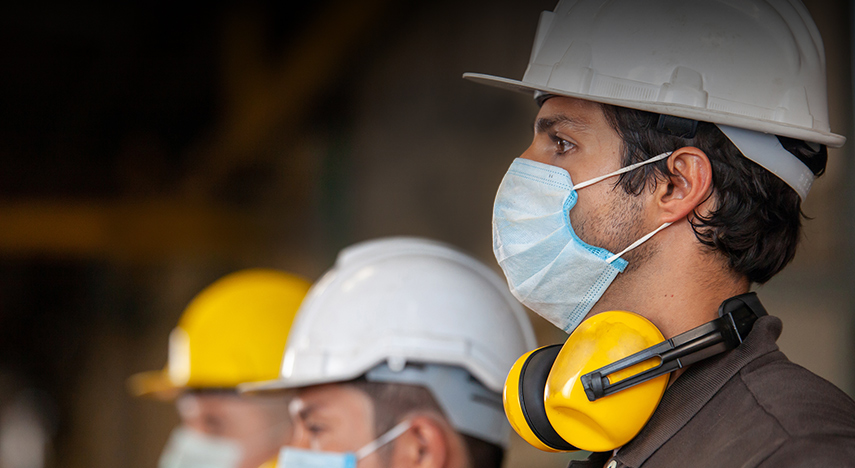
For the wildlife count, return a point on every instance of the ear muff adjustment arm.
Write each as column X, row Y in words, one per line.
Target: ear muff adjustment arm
column 736, row 318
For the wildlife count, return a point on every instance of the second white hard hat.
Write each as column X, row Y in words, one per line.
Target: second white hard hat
column 390, row 302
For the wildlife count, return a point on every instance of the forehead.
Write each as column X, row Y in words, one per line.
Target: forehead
column 338, row 401
column 580, row 114
column 192, row 403
column 197, row 404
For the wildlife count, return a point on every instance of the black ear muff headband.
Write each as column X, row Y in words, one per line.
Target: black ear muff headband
column 736, row 318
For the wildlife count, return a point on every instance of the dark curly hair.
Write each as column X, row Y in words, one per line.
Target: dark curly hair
column 756, row 221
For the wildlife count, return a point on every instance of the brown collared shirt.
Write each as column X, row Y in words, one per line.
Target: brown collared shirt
column 749, row 407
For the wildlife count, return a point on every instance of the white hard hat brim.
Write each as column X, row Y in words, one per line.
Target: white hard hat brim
column 340, row 375
column 832, row 140
column 290, row 384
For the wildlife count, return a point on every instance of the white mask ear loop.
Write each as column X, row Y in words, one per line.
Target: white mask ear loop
column 637, row 243
column 622, row 170
column 384, row 439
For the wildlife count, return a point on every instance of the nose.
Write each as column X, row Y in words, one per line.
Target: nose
column 300, row 438
column 531, row 154
column 539, row 151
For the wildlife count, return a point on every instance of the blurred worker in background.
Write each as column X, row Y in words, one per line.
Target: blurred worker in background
column 398, row 357
column 674, row 147
column 233, row 331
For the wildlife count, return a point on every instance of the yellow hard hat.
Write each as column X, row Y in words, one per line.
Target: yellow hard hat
column 232, row 332
column 547, row 405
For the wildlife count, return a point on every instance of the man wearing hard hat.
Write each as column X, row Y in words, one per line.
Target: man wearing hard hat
column 675, row 143
column 233, row 331
column 397, row 357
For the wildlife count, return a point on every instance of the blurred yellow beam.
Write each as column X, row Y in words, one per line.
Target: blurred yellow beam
column 133, row 231
column 264, row 95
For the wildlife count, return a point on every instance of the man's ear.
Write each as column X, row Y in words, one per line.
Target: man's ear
column 424, row 445
column 689, row 186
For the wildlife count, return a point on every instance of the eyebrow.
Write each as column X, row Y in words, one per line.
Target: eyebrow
column 305, row 411
column 544, row 124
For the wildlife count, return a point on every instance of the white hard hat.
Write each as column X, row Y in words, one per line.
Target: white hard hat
column 394, row 301
column 752, row 64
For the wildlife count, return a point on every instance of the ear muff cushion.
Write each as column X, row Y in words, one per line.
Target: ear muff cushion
column 531, row 389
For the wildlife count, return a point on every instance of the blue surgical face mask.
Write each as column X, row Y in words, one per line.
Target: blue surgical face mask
column 190, row 449
column 290, row 457
column 549, row 269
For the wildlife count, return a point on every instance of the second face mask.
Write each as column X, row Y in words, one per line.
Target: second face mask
column 290, row 457
column 190, row 449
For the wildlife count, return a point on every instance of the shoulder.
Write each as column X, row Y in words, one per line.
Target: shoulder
column 812, row 451
column 803, row 404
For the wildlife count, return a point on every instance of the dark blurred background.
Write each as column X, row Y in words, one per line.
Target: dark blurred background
column 148, row 149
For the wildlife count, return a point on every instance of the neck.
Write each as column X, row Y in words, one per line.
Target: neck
column 679, row 286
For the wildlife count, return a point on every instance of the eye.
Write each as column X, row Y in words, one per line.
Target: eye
column 315, row 428
column 213, row 425
column 561, row 145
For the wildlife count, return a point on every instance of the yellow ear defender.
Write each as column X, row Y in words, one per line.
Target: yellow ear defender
column 598, row 390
